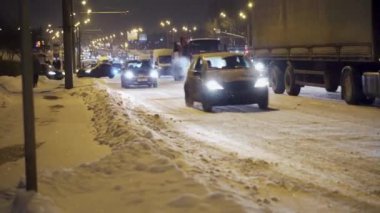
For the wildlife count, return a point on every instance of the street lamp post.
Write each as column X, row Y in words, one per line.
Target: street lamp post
column 250, row 6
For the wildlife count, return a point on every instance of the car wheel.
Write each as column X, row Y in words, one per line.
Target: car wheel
column 367, row 101
column 207, row 107
column 277, row 79
column 264, row 100
column 124, row 85
column 188, row 100
column 291, row 87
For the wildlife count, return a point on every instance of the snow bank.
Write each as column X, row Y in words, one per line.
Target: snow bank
column 32, row 202
column 14, row 84
column 141, row 174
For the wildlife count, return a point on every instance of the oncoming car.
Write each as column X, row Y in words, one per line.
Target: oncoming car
column 100, row 70
column 218, row 79
column 138, row 73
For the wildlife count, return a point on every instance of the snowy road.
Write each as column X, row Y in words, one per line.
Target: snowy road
column 308, row 153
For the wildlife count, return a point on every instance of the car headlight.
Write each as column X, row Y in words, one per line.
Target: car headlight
column 51, row 73
column 213, row 85
column 262, row 82
column 63, row 73
column 259, row 66
column 88, row 71
column 154, row 74
column 115, row 71
column 129, row 75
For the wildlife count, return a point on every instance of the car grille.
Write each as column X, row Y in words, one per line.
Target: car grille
column 238, row 86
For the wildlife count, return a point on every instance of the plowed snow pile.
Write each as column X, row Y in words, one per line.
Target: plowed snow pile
column 140, row 175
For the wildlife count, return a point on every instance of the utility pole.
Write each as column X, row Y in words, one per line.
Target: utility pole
column 27, row 96
column 68, row 42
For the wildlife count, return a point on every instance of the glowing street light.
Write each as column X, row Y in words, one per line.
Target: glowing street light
column 223, row 15
column 242, row 15
column 84, row 2
column 168, row 22
column 184, row 28
column 49, row 25
column 162, row 24
column 89, row 11
column 195, row 28
column 250, row 5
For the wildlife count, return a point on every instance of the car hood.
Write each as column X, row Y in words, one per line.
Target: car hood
column 231, row 75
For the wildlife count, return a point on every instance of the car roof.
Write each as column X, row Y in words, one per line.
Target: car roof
column 218, row 54
column 204, row 39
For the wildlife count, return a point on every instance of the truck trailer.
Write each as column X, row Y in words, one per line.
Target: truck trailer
column 323, row 43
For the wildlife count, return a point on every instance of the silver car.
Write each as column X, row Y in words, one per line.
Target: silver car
column 218, row 79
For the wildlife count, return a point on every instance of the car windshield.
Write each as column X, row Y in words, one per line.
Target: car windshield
column 139, row 64
column 230, row 62
column 167, row 59
column 117, row 65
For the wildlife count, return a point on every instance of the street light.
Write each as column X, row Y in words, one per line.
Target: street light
column 89, row 11
column 250, row 5
column 243, row 15
column 84, row 2
column 223, row 15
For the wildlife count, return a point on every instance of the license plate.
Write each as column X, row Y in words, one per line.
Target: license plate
column 142, row 79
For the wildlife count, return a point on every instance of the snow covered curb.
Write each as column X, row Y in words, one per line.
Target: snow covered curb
column 141, row 174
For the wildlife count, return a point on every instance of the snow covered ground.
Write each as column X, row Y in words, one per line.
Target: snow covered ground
column 142, row 150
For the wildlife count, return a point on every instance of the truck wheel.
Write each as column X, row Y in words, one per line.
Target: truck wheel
column 276, row 79
column 351, row 86
column 331, row 83
column 290, row 82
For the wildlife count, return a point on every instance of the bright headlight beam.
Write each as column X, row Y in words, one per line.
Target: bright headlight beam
column 51, row 73
column 213, row 85
column 259, row 66
column 262, row 82
column 129, row 75
column 154, row 74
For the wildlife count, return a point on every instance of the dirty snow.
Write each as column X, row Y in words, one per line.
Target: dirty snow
column 152, row 154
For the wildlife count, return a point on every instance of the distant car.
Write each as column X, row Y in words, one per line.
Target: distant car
column 138, row 73
column 218, row 79
column 100, row 70
column 51, row 72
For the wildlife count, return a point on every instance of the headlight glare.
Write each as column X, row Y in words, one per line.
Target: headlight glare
column 213, row 85
column 259, row 66
column 88, row 71
column 262, row 82
column 129, row 75
column 51, row 73
column 154, row 74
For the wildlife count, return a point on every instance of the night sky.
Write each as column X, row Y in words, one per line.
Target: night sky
column 145, row 13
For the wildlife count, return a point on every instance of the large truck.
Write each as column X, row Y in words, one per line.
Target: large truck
column 323, row 43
